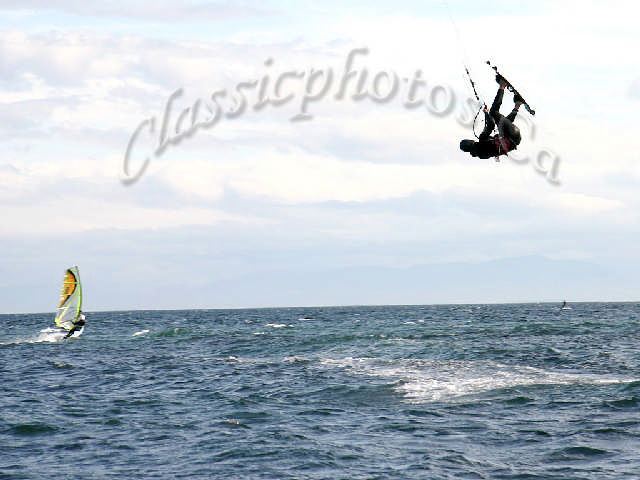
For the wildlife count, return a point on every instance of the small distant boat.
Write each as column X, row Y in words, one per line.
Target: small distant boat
column 565, row 306
column 70, row 305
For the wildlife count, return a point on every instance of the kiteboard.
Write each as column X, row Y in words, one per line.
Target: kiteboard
column 512, row 89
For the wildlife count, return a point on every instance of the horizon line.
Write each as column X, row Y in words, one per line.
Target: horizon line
column 355, row 305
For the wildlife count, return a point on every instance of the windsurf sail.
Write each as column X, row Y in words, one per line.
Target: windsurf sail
column 70, row 300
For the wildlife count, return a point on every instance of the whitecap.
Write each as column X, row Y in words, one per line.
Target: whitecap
column 438, row 380
column 48, row 335
column 294, row 359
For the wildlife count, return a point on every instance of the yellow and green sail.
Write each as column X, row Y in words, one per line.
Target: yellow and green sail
column 70, row 299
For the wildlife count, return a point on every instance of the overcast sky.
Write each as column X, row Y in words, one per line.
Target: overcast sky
column 364, row 188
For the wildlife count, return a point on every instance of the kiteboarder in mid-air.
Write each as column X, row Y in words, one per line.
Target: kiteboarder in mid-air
column 508, row 137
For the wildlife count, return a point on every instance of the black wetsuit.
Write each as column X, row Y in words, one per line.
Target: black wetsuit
column 508, row 136
column 76, row 326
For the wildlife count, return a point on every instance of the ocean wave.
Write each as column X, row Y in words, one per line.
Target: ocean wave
column 436, row 380
column 46, row 335
column 28, row 429
column 578, row 453
column 172, row 332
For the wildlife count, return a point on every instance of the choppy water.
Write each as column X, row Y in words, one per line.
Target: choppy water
column 435, row 392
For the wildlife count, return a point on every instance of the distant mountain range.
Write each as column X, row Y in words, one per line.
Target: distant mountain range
column 523, row 279
column 510, row 280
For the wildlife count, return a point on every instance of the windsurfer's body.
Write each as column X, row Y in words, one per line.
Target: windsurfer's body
column 508, row 137
column 77, row 325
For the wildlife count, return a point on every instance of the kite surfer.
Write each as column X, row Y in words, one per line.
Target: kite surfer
column 508, row 137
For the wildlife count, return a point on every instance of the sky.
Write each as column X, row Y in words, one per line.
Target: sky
column 362, row 202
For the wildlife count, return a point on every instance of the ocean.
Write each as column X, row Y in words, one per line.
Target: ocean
column 525, row 391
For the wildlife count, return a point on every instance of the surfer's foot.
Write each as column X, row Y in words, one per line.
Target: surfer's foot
column 517, row 99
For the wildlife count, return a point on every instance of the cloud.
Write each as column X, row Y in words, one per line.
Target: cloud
column 577, row 203
column 9, row 169
column 159, row 10
column 634, row 89
column 363, row 183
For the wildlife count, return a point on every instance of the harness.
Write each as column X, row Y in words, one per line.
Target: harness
column 503, row 144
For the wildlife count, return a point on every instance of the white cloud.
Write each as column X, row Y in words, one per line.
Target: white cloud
column 634, row 89
column 577, row 203
column 162, row 10
column 66, row 215
column 71, row 99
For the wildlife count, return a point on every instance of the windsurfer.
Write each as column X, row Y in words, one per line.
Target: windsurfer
column 77, row 325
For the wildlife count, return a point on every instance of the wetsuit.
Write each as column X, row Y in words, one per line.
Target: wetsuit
column 76, row 326
column 508, row 136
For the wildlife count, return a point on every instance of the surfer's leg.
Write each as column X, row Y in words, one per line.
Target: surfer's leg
column 500, row 120
column 505, row 125
column 497, row 103
column 506, row 128
column 512, row 116
column 489, row 125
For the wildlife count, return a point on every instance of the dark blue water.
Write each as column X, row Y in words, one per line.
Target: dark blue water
column 435, row 392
